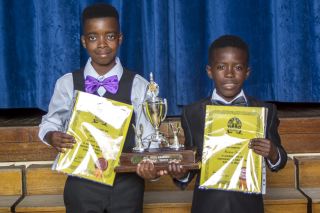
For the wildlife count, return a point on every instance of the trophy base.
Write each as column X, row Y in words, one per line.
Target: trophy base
column 160, row 157
column 138, row 149
column 128, row 169
column 176, row 146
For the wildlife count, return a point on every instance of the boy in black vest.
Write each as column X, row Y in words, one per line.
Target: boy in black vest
column 228, row 68
column 103, row 75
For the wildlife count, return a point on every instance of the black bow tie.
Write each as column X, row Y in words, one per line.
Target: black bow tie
column 241, row 101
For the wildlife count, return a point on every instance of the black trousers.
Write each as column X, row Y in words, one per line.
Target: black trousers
column 218, row 201
column 84, row 196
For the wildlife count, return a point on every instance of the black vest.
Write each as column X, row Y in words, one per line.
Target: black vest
column 123, row 95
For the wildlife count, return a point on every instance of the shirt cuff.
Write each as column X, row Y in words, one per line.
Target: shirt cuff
column 42, row 133
column 272, row 166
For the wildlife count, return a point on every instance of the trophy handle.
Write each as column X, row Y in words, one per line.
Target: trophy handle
column 165, row 110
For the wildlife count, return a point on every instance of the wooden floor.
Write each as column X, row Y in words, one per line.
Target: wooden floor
column 29, row 185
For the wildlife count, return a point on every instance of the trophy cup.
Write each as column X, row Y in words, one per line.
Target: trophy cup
column 155, row 109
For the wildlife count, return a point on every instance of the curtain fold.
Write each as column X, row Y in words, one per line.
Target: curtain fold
column 40, row 41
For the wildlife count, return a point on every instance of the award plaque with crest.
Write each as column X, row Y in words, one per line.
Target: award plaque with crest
column 155, row 109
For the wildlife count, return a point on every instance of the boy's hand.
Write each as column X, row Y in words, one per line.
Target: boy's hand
column 177, row 171
column 147, row 170
column 60, row 140
column 265, row 148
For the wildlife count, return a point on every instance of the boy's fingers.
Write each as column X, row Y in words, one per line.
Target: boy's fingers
column 173, row 167
column 259, row 144
column 59, row 149
column 162, row 172
column 176, row 170
column 146, row 169
column 179, row 168
column 140, row 170
column 67, row 138
column 66, row 145
column 262, row 152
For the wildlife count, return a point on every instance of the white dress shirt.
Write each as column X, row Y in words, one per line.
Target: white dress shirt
column 215, row 96
column 62, row 100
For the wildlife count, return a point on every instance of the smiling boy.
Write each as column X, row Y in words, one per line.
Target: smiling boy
column 228, row 68
column 103, row 75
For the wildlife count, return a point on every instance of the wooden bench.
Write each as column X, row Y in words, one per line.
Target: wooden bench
column 164, row 196
column 300, row 135
column 167, row 201
column 11, row 187
column 309, row 179
column 44, row 189
column 44, row 192
column 282, row 195
column 23, row 144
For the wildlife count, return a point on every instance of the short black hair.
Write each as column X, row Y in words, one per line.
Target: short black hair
column 228, row 41
column 99, row 10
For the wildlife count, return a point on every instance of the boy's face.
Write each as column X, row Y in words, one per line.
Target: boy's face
column 101, row 38
column 228, row 69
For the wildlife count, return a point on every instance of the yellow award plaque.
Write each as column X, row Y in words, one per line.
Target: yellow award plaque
column 227, row 162
column 99, row 126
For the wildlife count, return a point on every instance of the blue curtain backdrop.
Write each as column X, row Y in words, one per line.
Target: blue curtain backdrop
column 40, row 41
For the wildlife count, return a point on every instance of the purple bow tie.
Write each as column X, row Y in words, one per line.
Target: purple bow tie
column 111, row 84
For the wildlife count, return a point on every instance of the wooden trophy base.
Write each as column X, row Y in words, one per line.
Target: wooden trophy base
column 160, row 157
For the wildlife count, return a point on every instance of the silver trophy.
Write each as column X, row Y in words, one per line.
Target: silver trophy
column 138, row 139
column 175, row 130
column 155, row 109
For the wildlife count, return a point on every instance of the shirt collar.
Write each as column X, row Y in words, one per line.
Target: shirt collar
column 215, row 96
column 116, row 70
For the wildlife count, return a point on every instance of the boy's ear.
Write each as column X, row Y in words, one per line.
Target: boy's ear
column 209, row 71
column 83, row 41
column 248, row 72
column 120, row 38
